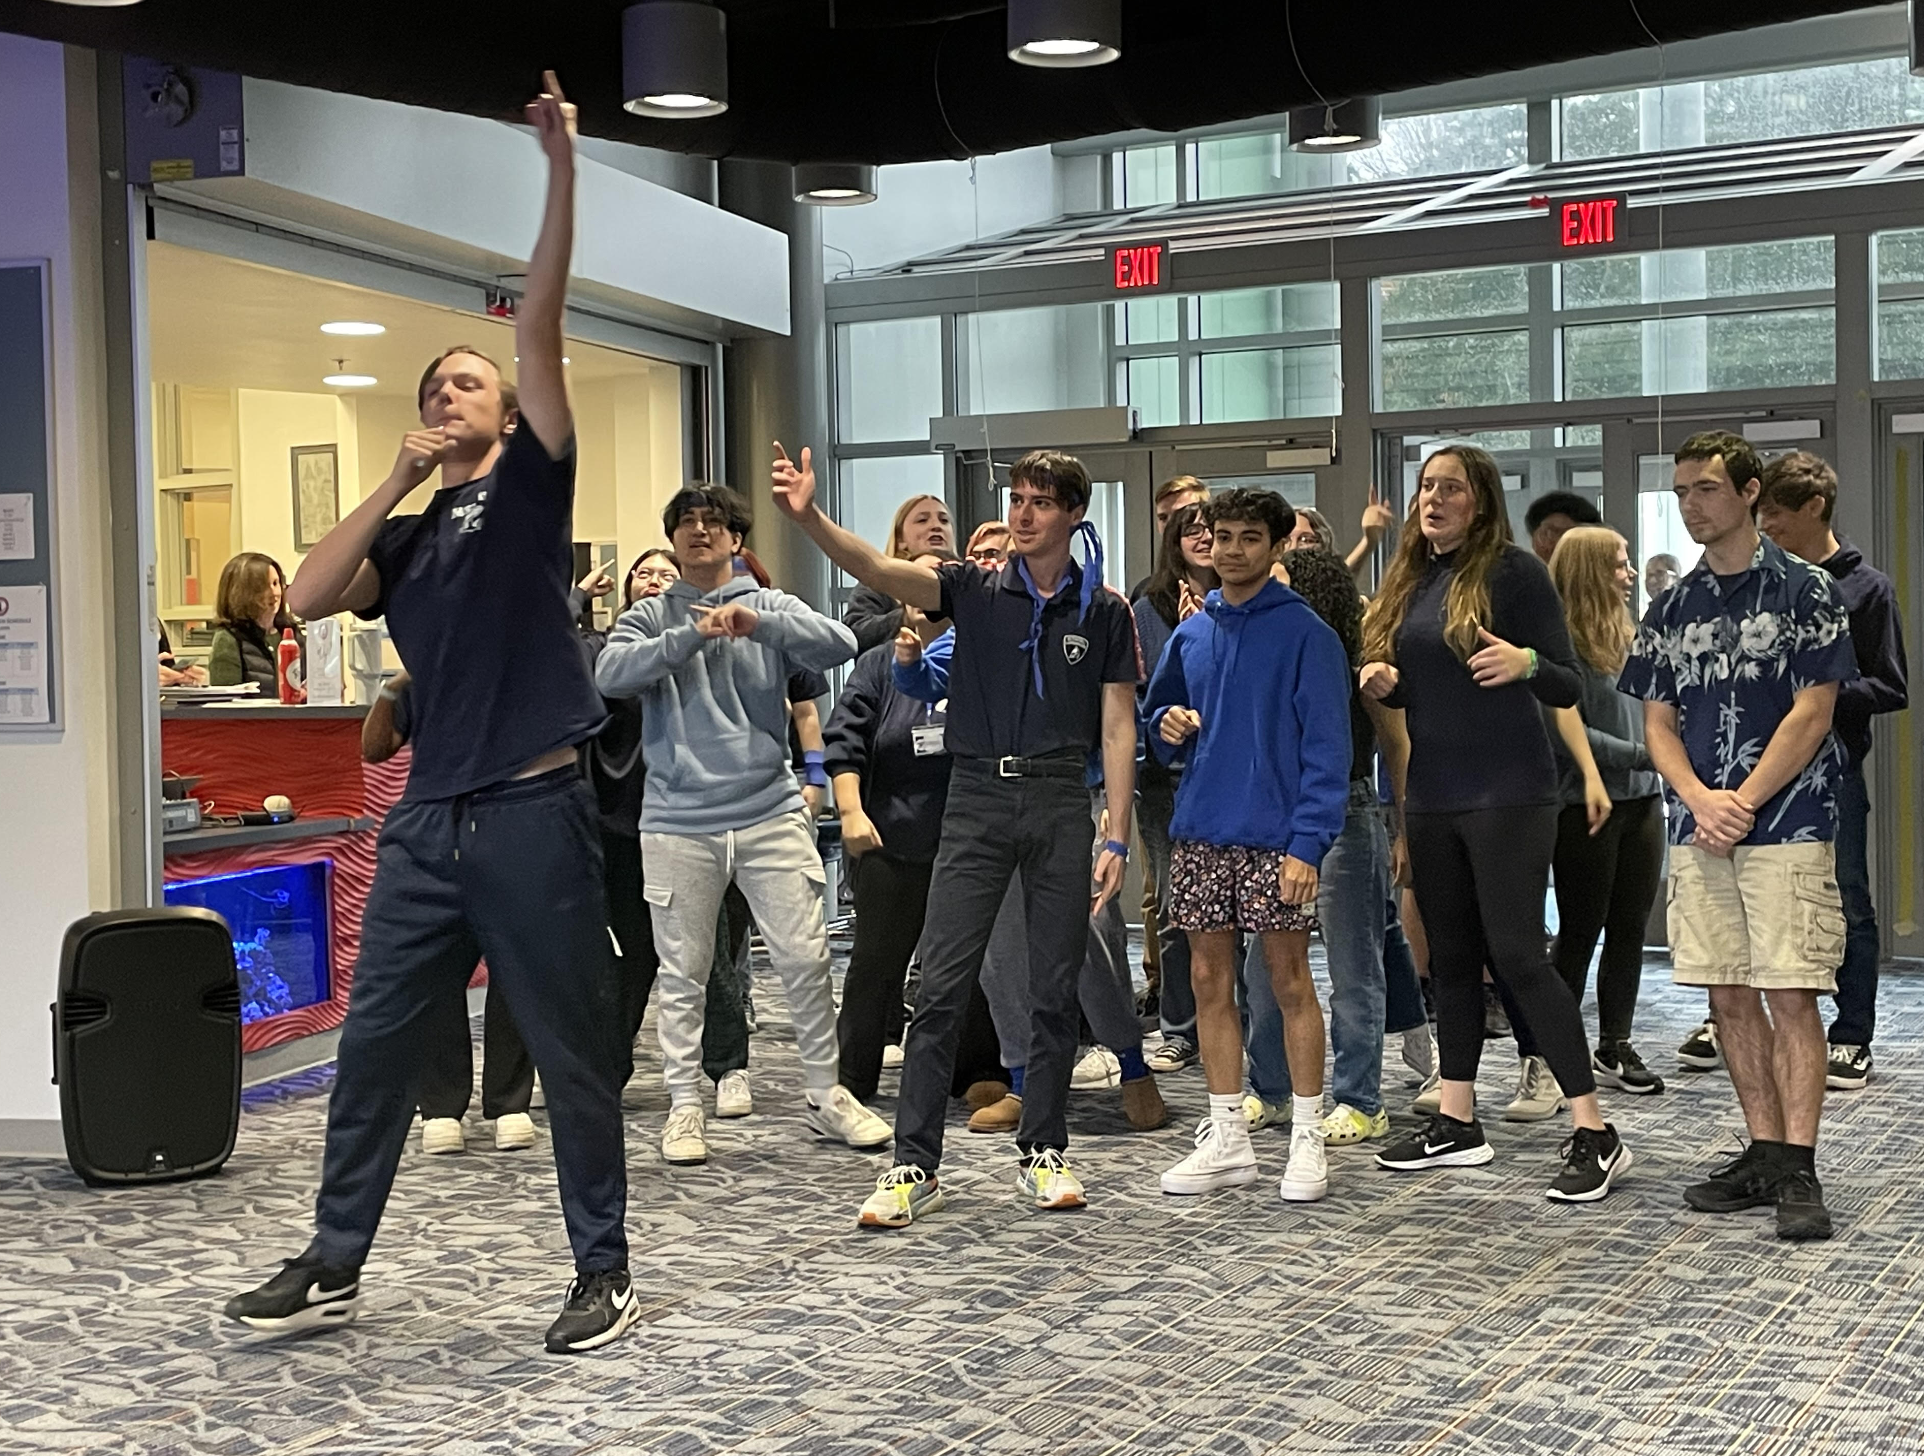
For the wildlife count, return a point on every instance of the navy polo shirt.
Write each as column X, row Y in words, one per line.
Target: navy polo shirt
column 994, row 711
column 475, row 592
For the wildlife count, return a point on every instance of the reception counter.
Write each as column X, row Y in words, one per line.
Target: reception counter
column 292, row 893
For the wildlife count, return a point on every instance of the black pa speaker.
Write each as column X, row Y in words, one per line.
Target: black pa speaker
column 147, row 1045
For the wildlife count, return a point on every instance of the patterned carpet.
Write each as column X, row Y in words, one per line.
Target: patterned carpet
column 1453, row 1313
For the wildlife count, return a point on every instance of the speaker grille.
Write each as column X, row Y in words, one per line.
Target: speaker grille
column 79, row 1009
column 223, row 1001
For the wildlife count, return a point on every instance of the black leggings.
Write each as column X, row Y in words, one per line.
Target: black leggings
column 1605, row 885
column 1480, row 878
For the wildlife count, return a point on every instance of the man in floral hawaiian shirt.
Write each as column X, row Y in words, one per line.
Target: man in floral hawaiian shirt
column 1738, row 666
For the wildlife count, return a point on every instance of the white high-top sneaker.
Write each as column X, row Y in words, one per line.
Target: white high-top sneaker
column 1223, row 1159
column 1306, row 1179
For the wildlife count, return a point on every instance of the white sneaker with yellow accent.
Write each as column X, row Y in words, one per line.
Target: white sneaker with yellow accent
column 1045, row 1177
column 902, row 1195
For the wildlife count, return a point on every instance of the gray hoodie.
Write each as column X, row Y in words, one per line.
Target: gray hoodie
column 715, row 711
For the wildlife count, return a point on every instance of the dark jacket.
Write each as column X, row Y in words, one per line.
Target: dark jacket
column 1613, row 722
column 1877, row 637
column 244, row 653
column 872, row 617
column 871, row 734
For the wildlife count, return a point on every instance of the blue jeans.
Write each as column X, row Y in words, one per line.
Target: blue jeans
column 1857, row 977
column 1350, row 902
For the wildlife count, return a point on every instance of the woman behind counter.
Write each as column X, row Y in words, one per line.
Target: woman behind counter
column 252, row 614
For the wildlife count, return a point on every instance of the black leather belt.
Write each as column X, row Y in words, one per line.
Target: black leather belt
column 1056, row 766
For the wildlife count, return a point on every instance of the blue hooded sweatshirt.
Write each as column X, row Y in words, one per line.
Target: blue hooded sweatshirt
column 715, row 718
column 1269, row 768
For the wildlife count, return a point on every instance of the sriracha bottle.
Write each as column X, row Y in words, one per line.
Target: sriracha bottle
column 288, row 658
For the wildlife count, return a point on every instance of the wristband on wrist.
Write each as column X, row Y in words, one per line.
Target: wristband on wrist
column 1533, row 662
column 817, row 776
column 1117, row 848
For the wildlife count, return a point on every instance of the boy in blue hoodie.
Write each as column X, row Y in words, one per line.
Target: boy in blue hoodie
column 1252, row 700
column 711, row 658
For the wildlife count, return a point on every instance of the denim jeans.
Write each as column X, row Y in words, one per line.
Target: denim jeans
column 1857, row 977
column 1350, row 899
column 1156, row 805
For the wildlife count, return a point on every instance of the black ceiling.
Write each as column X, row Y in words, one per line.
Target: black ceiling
column 892, row 80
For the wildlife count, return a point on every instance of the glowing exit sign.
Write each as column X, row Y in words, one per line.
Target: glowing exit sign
column 1139, row 267
column 1592, row 224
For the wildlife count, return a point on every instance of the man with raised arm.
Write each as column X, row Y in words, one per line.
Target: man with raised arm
column 1043, row 676
column 493, row 851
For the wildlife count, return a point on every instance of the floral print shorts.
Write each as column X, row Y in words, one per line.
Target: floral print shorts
column 1228, row 887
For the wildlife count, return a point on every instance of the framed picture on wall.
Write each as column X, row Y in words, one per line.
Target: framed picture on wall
column 317, row 493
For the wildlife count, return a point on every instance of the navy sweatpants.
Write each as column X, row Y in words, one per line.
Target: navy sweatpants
column 512, row 872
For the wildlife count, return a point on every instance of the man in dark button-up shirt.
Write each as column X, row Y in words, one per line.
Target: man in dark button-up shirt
column 1794, row 509
column 1044, row 674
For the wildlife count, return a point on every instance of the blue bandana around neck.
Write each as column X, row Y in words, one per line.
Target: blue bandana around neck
column 1091, row 584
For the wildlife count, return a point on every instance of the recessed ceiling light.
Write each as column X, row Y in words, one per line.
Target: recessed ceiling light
column 353, row 328
column 349, row 381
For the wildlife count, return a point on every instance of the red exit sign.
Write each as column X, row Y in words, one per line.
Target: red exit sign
column 1139, row 267
column 1592, row 224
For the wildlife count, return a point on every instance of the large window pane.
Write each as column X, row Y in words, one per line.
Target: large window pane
column 1270, row 384
column 1900, row 320
column 1245, row 311
column 1687, row 274
column 1687, row 355
column 1016, row 360
column 870, row 490
column 1148, row 176
column 1462, row 293
column 888, row 378
column 1253, row 166
column 1147, row 320
column 1154, row 387
column 1813, row 101
column 1457, row 369
column 1431, row 145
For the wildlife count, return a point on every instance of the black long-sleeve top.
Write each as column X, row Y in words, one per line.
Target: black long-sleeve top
column 873, row 617
column 871, row 735
column 1473, row 747
column 1877, row 637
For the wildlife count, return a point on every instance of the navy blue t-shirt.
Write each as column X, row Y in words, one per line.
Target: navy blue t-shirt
column 475, row 592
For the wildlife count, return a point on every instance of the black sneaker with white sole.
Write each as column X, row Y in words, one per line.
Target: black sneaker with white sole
column 305, row 1295
column 1616, row 1064
column 1592, row 1161
column 599, row 1308
column 1702, row 1051
column 1445, row 1143
column 1849, row 1068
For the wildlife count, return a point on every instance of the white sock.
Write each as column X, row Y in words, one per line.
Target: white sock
column 1226, row 1107
column 1308, row 1109
column 684, row 1097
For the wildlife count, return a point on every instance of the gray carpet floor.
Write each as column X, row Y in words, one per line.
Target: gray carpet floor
column 1447, row 1313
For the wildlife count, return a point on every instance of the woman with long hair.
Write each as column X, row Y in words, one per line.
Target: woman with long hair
column 1467, row 637
column 921, row 526
column 251, row 613
column 1175, row 591
column 1605, row 882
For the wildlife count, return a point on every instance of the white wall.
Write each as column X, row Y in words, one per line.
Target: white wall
column 271, row 423
column 56, row 816
column 925, row 207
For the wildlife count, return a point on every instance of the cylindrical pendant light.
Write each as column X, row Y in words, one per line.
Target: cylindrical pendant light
column 674, row 59
column 98, row 4
column 1336, row 126
column 834, row 184
column 1065, row 32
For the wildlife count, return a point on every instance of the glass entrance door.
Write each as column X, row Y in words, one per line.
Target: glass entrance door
column 1896, row 768
column 1533, row 460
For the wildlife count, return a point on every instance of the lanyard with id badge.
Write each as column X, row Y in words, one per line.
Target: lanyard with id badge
column 928, row 736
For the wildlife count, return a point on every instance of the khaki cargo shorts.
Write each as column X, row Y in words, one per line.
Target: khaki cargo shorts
column 1770, row 916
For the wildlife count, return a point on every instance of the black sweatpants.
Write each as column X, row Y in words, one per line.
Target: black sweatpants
column 1605, row 885
column 511, row 872
column 1480, row 878
column 724, row 1033
column 447, row 1062
column 891, row 902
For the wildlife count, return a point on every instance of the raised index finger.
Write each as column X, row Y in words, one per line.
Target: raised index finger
column 552, row 87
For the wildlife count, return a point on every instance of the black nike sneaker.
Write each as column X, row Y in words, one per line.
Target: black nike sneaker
column 305, row 1295
column 599, row 1308
column 1445, row 1143
column 1592, row 1161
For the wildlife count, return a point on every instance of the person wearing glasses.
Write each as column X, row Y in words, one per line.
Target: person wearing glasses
column 989, row 545
column 1175, row 591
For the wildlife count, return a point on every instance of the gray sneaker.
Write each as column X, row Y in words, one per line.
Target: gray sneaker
column 1538, row 1097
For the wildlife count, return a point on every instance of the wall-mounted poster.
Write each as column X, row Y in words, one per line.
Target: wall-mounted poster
column 317, row 493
